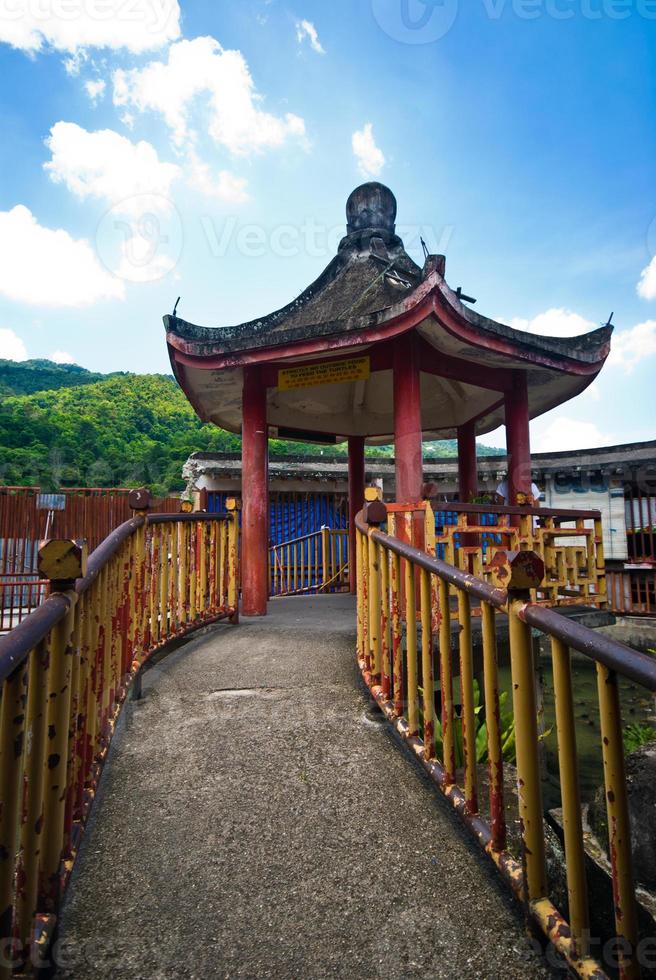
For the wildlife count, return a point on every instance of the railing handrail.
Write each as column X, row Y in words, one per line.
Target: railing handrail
column 199, row 517
column 454, row 576
column 503, row 509
column 617, row 656
column 404, row 634
column 632, row 664
column 16, row 645
column 66, row 671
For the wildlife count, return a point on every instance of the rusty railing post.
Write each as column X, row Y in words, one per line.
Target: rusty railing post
column 375, row 514
column 62, row 562
column 140, row 502
column 12, row 737
column 519, row 572
column 571, row 802
column 233, row 507
column 619, row 823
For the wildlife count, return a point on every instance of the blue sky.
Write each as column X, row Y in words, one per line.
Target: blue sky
column 206, row 149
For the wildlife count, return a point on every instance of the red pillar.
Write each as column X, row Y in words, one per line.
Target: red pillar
column 355, row 495
column 407, row 421
column 255, row 495
column 517, row 438
column 467, row 468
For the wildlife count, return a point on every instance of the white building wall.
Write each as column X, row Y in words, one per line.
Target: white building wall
column 609, row 502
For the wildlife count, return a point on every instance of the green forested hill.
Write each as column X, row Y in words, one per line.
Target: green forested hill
column 124, row 430
column 26, row 377
column 112, row 430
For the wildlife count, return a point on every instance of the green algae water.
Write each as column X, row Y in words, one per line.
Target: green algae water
column 637, row 706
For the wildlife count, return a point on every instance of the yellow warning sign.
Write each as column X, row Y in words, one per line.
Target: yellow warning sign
column 324, row 373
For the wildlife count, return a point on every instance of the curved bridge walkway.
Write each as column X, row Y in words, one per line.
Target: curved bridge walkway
column 255, row 821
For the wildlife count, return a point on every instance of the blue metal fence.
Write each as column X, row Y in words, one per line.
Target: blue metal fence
column 292, row 514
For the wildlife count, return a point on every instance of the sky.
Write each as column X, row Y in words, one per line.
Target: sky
column 205, row 149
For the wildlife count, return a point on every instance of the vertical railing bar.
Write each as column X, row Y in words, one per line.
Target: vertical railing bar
column 12, row 736
column 30, row 833
column 468, row 716
column 569, row 788
column 411, row 637
column 374, row 609
column 528, row 769
column 619, row 827
column 493, row 725
column 386, row 678
column 427, row 664
column 446, row 687
column 359, row 593
column 55, row 760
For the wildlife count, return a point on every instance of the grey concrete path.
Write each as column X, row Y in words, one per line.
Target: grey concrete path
column 254, row 821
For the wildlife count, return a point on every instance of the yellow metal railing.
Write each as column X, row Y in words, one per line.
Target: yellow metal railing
column 410, row 656
column 312, row 563
column 65, row 672
column 468, row 536
column 569, row 542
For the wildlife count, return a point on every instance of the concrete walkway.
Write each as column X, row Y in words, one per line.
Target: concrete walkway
column 254, row 821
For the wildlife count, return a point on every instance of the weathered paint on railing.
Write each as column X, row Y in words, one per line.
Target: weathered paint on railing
column 388, row 567
column 65, row 672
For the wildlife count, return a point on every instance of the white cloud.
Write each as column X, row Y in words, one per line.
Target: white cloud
column 226, row 186
column 647, row 285
column 629, row 347
column 305, row 30
column 109, row 166
column 47, row 267
column 202, row 67
column 564, row 434
column 61, row 357
column 136, row 25
column 371, row 159
column 95, row 88
column 555, row 323
column 12, row 347
column 139, row 262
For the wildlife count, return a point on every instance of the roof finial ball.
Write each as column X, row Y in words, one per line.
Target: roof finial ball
column 372, row 206
column 370, row 212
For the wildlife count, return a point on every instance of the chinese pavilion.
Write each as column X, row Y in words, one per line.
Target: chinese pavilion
column 376, row 350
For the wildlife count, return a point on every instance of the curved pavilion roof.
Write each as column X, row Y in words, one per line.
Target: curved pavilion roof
column 370, row 293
